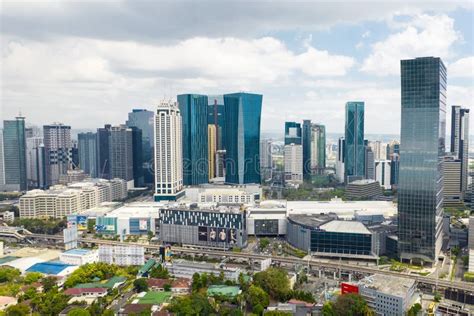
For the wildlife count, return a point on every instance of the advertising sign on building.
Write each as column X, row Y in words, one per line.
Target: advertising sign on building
column 143, row 224
column 349, row 288
column 202, row 233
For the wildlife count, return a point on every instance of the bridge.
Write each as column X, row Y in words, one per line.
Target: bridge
column 314, row 264
column 16, row 233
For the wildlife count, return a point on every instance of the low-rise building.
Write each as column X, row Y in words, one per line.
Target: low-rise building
column 79, row 256
column 177, row 286
column 7, row 301
column 60, row 200
column 224, row 194
column 122, row 255
column 388, row 295
column 363, row 189
column 267, row 219
column 86, row 292
column 186, row 269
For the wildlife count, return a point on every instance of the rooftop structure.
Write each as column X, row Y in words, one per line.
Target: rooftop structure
column 52, row 268
column 223, row 290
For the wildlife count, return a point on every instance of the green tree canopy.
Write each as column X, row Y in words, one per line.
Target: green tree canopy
column 78, row 312
column 140, row 285
column 190, row 305
column 347, row 305
column 257, row 298
column 17, row 310
column 275, row 282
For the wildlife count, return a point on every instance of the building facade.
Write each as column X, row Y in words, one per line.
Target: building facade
column 121, row 153
column 318, row 148
column 143, row 119
column 452, row 170
column 203, row 228
column 423, row 129
column 354, row 149
column 87, row 144
column 293, row 133
column 212, row 149
column 103, row 151
column 266, row 159
column 194, row 116
column 2, row 164
column 242, row 137
column 168, row 152
column 460, row 142
column 383, row 173
column 14, row 154
column 369, row 163
column 293, row 156
column 58, row 151
column 340, row 159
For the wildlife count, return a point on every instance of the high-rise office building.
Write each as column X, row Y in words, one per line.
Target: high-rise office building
column 293, row 156
column 369, row 163
column 137, row 157
column 266, row 159
column 14, row 154
column 168, row 152
column 87, row 145
column 194, row 115
column 354, row 156
column 103, row 161
column 293, row 133
column 383, row 174
column 393, row 148
column 35, row 162
column 340, row 159
column 74, row 154
column 2, row 168
column 460, row 141
column 452, row 194
column 121, row 153
column 379, row 149
column 216, row 116
column 318, row 148
column 423, row 129
column 306, row 141
column 242, row 137
column 143, row 119
column 58, row 151
column 212, row 149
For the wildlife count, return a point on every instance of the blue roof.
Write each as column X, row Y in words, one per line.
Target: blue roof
column 51, row 267
column 77, row 251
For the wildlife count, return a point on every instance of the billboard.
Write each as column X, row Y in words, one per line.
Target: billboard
column 349, row 288
column 143, row 224
column 222, row 234
column 202, row 233
column 213, row 234
column 232, row 236
column 81, row 221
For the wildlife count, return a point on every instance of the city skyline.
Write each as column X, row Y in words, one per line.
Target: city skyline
column 74, row 70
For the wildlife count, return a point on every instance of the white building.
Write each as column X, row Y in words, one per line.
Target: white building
column 168, row 152
column 238, row 194
column 79, row 257
column 267, row 219
column 122, row 255
column 379, row 149
column 383, row 172
column 58, row 151
column 266, row 160
column 388, row 295
column 35, row 162
column 186, row 269
column 293, row 163
column 60, row 200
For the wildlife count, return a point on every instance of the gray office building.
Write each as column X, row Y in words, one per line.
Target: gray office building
column 58, row 151
column 87, row 145
column 121, row 153
column 14, row 154
column 422, row 150
column 460, row 141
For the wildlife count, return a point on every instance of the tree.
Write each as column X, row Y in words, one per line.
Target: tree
column 414, row 310
column 140, row 285
column 303, row 296
column 257, row 298
column 31, row 277
column 17, row 310
column 328, row 309
column 277, row 313
column 347, row 305
column 48, row 283
column 455, row 251
column 264, row 242
column 275, row 282
column 78, row 312
column 196, row 285
column 167, row 287
column 8, row 274
column 159, row 272
column 194, row 304
column 437, row 297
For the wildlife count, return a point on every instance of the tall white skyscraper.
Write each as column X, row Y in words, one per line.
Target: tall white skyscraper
column 168, row 152
column 266, row 162
column 379, row 149
column 294, row 163
column 58, row 151
column 340, row 160
column 383, row 173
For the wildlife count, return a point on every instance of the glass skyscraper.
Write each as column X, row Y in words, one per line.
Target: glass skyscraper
column 460, row 141
column 292, row 133
column 14, row 154
column 194, row 114
column 143, row 119
column 354, row 155
column 87, row 145
column 216, row 117
column 422, row 147
column 306, row 141
column 242, row 137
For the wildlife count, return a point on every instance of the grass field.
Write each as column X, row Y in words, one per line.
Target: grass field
column 155, row 298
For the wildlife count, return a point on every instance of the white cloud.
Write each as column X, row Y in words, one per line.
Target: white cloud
column 423, row 35
column 463, row 67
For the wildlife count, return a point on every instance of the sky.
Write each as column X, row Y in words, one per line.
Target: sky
column 87, row 63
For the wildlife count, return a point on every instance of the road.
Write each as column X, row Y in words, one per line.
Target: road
column 314, row 264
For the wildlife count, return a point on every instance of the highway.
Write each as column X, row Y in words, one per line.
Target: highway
column 314, row 264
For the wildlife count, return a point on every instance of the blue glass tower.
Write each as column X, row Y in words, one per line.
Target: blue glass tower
column 292, row 133
column 14, row 151
column 422, row 147
column 354, row 155
column 194, row 113
column 242, row 137
column 87, row 146
column 306, row 140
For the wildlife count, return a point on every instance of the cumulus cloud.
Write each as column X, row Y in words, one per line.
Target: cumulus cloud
column 463, row 67
column 423, row 35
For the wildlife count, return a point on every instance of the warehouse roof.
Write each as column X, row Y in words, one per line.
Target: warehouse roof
column 51, row 267
column 388, row 284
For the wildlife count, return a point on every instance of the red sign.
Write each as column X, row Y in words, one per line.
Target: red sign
column 349, row 288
